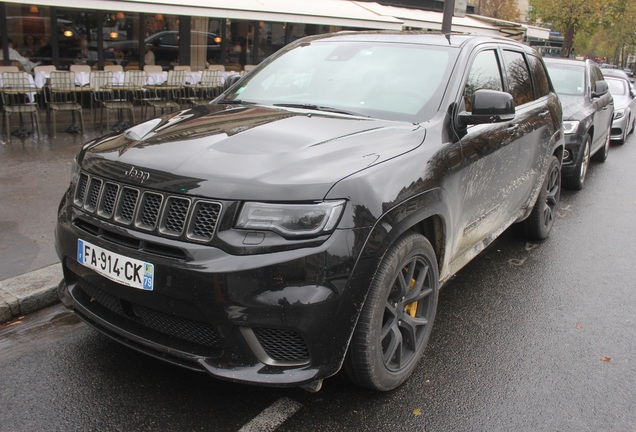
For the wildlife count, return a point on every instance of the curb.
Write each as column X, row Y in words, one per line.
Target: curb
column 29, row 292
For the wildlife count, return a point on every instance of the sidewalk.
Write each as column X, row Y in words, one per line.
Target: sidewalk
column 29, row 292
column 34, row 173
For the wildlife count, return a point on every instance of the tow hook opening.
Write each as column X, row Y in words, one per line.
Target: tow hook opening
column 63, row 294
column 312, row 387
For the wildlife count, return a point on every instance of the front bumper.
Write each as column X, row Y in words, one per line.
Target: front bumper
column 618, row 128
column 278, row 319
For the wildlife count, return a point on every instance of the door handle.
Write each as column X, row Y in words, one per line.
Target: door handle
column 512, row 129
column 544, row 114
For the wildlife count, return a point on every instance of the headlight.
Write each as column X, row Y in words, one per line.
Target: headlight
column 569, row 127
column 619, row 113
column 291, row 220
column 75, row 170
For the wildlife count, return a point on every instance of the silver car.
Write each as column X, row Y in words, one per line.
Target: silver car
column 624, row 107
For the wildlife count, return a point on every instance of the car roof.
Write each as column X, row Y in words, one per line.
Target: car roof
column 615, row 73
column 419, row 37
column 573, row 62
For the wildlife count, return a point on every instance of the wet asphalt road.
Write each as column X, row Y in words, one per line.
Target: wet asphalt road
column 33, row 176
column 528, row 337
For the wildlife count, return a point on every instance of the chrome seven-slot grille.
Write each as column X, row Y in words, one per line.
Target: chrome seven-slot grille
column 165, row 214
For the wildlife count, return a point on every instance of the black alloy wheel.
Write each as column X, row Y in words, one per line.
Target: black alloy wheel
column 397, row 318
column 539, row 224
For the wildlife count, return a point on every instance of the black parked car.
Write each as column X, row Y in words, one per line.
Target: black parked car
column 306, row 219
column 587, row 115
column 165, row 46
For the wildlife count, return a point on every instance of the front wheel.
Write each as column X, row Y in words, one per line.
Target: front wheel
column 577, row 179
column 397, row 317
column 539, row 224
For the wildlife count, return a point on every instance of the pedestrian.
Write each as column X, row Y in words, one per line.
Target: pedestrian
column 45, row 52
column 149, row 56
column 27, row 64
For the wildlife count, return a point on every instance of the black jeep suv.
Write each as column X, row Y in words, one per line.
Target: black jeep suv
column 306, row 218
column 588, row 109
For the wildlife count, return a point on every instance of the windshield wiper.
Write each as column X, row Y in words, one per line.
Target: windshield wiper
column 235, row 102
column 319, row 108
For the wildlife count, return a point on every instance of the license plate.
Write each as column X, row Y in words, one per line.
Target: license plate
column 126, row 271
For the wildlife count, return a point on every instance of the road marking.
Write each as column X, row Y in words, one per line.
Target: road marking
column 273, row 416
column 517, row 262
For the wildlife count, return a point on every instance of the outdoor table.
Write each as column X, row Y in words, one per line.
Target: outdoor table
column 165, row 93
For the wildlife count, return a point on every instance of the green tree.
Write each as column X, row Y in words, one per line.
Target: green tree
column 569, row 17
column 616, row 37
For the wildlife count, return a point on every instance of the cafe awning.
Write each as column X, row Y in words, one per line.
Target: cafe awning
column 322, row 12
column 430, row 20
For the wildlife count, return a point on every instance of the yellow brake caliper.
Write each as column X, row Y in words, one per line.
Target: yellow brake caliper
column 411, row 308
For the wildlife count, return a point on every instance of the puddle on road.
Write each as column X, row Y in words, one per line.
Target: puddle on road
column 43, row 327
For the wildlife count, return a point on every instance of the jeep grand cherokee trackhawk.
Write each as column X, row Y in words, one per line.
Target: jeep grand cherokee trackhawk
column 305, row 219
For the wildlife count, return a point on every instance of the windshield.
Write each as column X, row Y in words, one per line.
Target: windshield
column 617, row 87
column 382, row 80
column 567, row 79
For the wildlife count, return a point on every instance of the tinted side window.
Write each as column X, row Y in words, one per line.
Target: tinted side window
column 518, row 75
column 485, row 73
column 596, row 75
column 170, row 39
column 542, row 85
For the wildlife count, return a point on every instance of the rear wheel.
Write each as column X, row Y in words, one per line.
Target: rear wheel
column 397, row 317
column 539, row 224
column 577, row 179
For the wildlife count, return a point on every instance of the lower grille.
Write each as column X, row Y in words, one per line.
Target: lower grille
column 196, row 332
column 282, row 345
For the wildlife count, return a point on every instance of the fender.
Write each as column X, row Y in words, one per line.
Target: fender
column 387, row 229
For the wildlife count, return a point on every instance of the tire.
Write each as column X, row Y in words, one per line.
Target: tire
column 601, row 155
column 539, row 224
column 397, row 317
column 621, row 140
column 576, row 180
column 633, row 126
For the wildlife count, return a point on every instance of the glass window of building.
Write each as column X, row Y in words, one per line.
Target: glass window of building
column 162, row 40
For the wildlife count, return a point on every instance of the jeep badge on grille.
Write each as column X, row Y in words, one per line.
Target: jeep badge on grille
column 140, row 175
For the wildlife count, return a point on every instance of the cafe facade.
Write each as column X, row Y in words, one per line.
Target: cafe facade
column 198, row 33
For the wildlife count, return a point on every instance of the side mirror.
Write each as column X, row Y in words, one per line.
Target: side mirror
column 600, row 88
column 231, row 80
column 489, row 106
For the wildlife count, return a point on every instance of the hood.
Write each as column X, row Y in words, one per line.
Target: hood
column 621, row 102
column 573, row 106
column 248, row 152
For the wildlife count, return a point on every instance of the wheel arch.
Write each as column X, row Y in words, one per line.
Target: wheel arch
column 425, row 213
column 558, row 152
column 590, row 132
